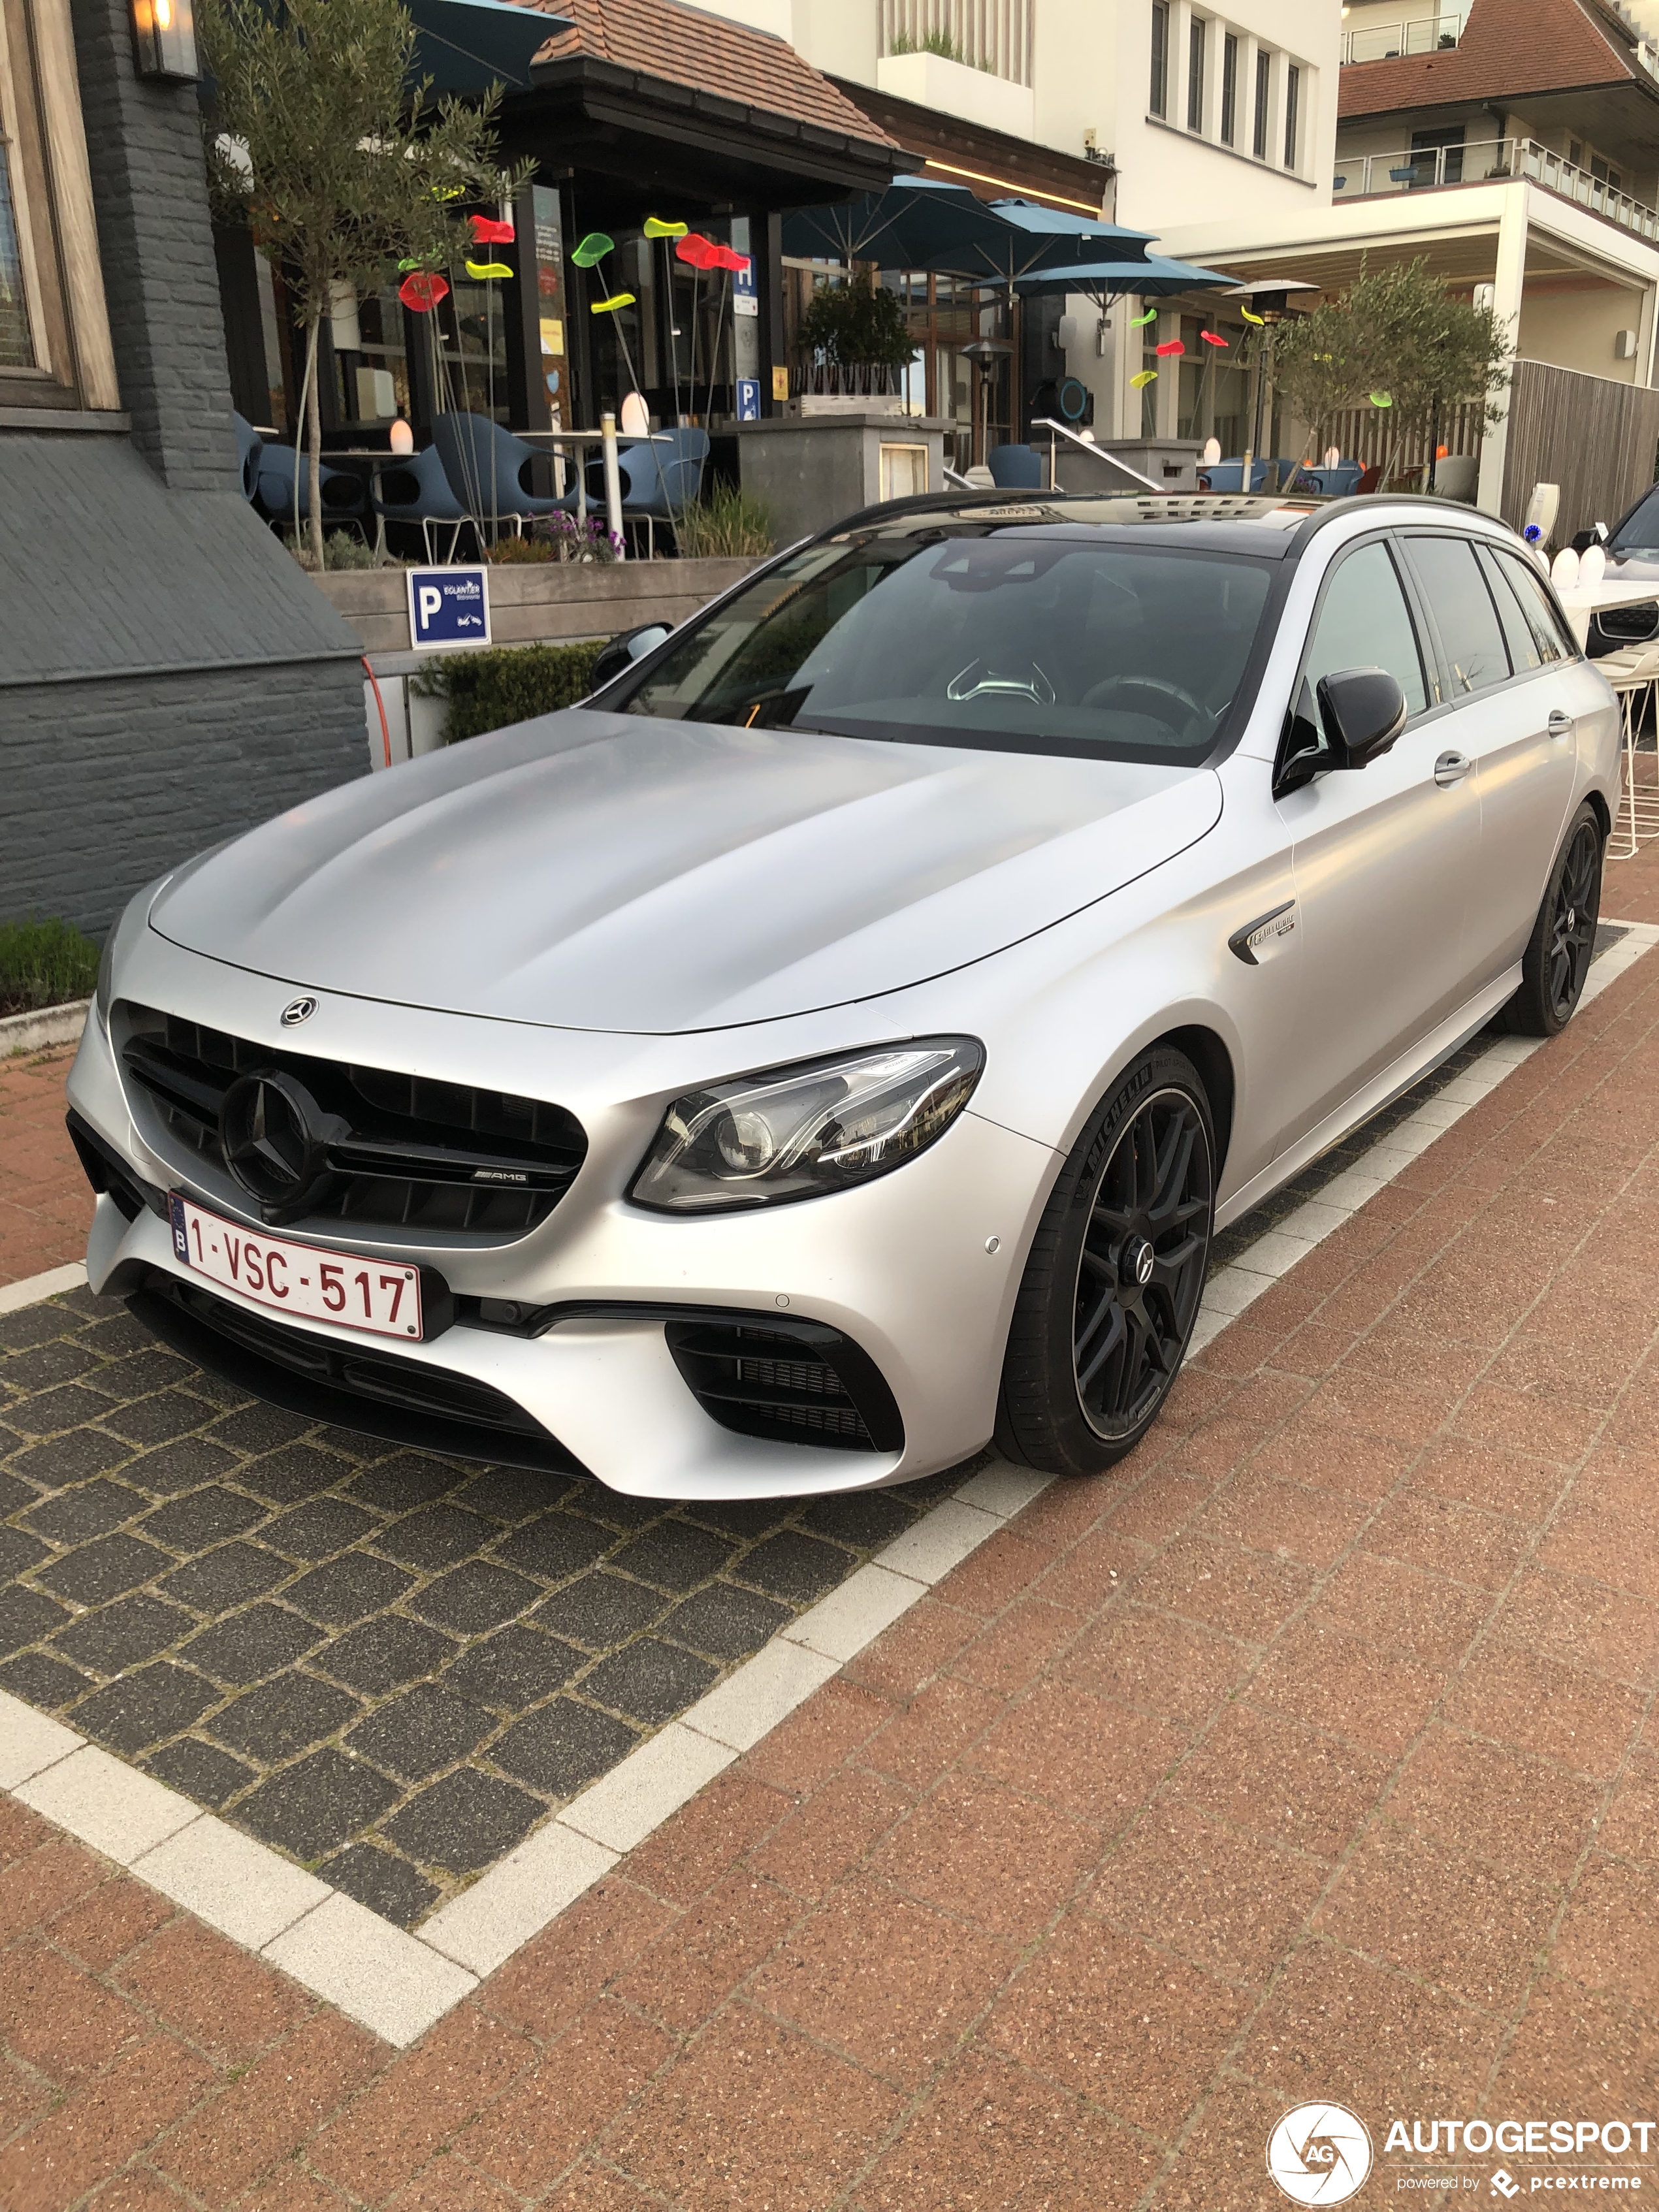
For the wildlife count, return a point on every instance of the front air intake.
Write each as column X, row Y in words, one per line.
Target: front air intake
column 800, row 1383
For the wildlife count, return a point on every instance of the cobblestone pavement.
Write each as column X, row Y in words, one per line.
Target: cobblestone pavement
column 1310, row 1755
column 389, row 1665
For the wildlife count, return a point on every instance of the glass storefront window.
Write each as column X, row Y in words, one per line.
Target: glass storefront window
column 468, row 333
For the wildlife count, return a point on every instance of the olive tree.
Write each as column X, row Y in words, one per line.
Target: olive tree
column 1395, row 333
column 321, row 138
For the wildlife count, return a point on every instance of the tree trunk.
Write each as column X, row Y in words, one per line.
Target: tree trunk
column 314, row 441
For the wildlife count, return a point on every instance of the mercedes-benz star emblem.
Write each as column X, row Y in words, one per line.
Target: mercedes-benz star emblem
column 274, row 1137
column 298, row 1010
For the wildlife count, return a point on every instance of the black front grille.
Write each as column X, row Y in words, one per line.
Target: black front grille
column 378, row 1393
column 801, row 1383
column 404, row 1150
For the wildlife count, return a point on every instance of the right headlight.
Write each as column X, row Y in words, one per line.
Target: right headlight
column 800, row 1132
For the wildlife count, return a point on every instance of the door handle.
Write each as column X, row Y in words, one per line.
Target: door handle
column 1560, row 725
column 1451, row 767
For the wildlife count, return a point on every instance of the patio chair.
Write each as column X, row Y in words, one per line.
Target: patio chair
column 662, row 476
column 344, row 497
column 249, row 446
column 486, row 466
column 419, row 493
column 1016, row 468
column 1455, row 476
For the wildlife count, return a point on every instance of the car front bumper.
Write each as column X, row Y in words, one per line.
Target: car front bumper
column 900, row 1267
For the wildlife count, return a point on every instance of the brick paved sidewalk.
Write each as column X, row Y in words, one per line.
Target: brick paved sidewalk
column 1305, row 1757
column 45, row 1206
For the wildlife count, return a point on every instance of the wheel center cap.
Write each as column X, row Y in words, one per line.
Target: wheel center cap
column 1138, row 1262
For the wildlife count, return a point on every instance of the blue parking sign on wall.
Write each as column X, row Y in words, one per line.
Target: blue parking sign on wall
column 749, row 399
column 449, row 606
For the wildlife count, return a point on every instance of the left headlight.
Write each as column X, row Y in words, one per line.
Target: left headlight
column 800, row 1132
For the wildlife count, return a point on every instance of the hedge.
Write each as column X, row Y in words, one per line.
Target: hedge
column 490, row 690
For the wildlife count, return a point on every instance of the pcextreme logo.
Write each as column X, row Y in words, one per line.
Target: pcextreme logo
column 1320, row 2153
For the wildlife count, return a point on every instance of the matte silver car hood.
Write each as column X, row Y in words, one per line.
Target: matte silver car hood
column 612, row 872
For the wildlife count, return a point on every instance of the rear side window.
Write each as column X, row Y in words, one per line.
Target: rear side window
column 1463, row 614
column 1364, row 621
column 1527, row 649
column 1553, row 642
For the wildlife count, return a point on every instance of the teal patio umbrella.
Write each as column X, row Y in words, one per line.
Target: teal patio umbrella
column 920, row 222
column 466, row 45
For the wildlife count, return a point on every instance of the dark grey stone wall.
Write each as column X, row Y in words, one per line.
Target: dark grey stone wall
column 169, row 677
column 106, row 784
column 156, row 242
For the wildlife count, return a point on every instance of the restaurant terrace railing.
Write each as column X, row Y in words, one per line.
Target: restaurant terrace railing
column 1364, row 176
column 1418, row 34
column 994, row 35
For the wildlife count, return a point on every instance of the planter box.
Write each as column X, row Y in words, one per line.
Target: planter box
column 809, row 471
column 545, row 603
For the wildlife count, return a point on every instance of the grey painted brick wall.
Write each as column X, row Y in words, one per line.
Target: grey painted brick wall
column 144, row 144
column 108, row 784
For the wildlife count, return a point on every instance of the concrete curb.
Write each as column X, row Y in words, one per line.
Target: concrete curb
column 46, row 1026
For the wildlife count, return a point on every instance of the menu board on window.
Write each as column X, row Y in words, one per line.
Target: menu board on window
column 550, row 300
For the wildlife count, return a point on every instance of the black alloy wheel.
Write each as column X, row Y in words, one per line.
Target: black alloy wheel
column 1141, row 1272
column 1115, row 1273
column 1557, row 960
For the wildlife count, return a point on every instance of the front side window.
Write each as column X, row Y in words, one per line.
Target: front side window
column 1639, row 530
column 1470, row 633
column 1041, row 640
column 1364, row 621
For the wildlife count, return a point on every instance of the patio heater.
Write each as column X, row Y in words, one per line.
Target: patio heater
column 982, row 352
column 1267, row 298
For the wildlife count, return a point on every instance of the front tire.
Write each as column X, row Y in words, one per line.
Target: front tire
column 1112, row 1286
column 1557, row 960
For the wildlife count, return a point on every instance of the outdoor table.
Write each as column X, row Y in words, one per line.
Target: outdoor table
column 1633, row 675
column 379, row 460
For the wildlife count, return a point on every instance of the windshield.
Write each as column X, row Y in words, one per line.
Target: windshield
column 1041, row 640
column 1638, row 532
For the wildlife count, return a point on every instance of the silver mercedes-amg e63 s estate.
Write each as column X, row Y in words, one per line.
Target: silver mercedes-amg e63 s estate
column 836, row 1043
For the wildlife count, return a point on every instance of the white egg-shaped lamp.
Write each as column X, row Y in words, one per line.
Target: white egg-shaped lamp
column 1563, row 569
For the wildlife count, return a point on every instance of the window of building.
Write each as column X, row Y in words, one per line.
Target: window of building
column 1292, row 114
column 1229, row 89
column 1158, row 99
column 1196, row 74
column 16, row 337
column 1264, row 85
column 54, row 330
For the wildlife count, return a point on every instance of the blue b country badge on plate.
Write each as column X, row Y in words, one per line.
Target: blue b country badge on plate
column 448, row 607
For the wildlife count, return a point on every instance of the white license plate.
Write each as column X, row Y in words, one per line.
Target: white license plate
column 382, row 1297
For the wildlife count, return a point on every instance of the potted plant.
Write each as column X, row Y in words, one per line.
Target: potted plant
column 852, row 343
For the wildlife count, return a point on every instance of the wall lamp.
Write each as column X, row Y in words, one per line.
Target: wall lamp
column 164, row 39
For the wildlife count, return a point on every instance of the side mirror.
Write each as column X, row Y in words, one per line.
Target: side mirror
column 1362, row 711
column 623, row 651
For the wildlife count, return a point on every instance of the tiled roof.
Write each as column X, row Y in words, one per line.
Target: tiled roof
column 1508, row 47
column 687, row 46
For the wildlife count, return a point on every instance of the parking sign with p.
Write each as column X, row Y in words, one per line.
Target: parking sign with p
column 448, row 607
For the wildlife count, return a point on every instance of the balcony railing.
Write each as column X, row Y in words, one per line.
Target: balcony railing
column 1363, row 176
column 993, row 35
column 1422, row 34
